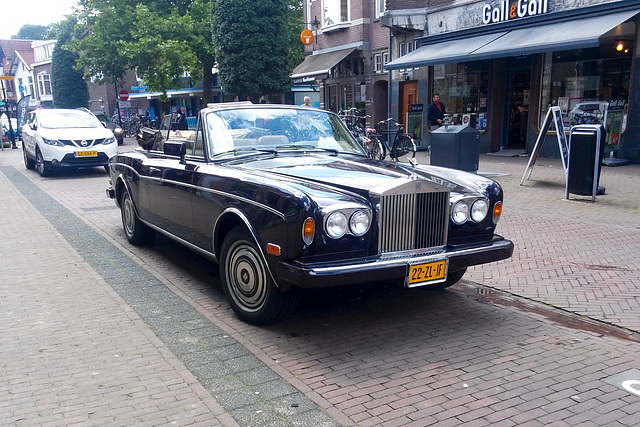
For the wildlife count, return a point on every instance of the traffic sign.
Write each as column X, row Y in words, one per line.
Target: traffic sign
column 123, row 95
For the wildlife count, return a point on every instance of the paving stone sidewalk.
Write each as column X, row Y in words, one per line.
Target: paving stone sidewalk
column 573, row 254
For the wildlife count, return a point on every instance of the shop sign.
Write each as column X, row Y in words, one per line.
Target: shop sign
column 415, row 108
column 304, row 79
column 507, row 10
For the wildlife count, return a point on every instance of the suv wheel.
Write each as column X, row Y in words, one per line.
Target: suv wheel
column 43, row 168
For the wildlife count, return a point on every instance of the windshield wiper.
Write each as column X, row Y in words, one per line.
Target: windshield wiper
column 239, row 150
column 308, row 147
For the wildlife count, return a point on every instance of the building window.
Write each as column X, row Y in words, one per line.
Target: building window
column 583, row 82
column 403, row 49
column 44, row 84
column 32, row 90
column 380, row 7
column 377, row 63
column 334, row 12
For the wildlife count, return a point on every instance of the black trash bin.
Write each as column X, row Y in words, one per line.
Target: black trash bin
column 586, row 151
column 455, row 147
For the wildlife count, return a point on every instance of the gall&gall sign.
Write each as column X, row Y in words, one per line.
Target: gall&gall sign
column 507, row 10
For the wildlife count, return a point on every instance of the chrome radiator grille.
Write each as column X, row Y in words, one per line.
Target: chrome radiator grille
column 413, row 221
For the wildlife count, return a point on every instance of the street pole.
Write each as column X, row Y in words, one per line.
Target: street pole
column 6, row 109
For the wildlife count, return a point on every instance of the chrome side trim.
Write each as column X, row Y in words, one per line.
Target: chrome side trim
column 175, row 238
column 208, row 190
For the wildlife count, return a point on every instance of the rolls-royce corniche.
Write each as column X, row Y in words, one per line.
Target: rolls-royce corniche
column 283, row 197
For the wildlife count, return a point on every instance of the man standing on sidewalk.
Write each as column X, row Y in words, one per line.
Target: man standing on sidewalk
column 436, row 112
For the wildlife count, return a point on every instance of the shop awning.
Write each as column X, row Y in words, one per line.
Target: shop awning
column 451, row 51
column 314, row 65
column 576, row 34
column 573, row 34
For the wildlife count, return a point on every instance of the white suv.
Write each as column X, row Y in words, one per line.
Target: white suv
column 66, row 138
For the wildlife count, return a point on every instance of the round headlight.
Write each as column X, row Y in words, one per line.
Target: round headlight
column 359, row 223
column 460, row 212
column 117, row 129
column 479, row 210
column 336, row 225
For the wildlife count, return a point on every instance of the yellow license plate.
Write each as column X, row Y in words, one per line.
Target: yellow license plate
column 86, row 154
column 427, row 272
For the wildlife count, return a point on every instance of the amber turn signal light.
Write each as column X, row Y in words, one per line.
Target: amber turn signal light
column 497, row 211
column 308, row 230
column 273, row 249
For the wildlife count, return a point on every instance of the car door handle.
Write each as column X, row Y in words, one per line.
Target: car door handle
column 154, row 171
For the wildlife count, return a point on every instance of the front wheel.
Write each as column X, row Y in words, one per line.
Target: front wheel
column 43, row 168
column 136, row 231
column 247, row 283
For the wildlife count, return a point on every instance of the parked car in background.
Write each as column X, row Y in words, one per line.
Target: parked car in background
column 58, row 138
column 284, row 197
column 117, row 130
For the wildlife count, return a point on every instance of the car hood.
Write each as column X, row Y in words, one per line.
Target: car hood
column 359, row 175
column 75, row 133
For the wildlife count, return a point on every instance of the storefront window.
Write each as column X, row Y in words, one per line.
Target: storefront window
column 463, row 89
column 584, row 82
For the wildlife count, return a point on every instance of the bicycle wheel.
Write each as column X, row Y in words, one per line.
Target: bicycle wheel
column 403, row 149
column 376, row 149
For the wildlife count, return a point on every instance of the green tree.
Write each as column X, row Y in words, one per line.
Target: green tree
column 105, row 26
column 32, row 32
column 68, row 87
column 253, row 46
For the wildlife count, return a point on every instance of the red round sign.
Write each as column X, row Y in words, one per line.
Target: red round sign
column 123, row 95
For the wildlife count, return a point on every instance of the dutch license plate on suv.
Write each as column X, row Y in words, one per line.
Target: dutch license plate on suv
column 86, row 154
column 425, row 273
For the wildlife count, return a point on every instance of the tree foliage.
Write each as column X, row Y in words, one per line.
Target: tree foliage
column 32, row 32
column 68, row 87
column 250, row 42
column 252, row 46
column 160, row 39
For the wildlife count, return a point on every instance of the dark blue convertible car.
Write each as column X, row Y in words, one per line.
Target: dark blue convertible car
column 283, row 197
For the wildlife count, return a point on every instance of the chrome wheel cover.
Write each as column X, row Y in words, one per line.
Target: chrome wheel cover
column 246, row 277
column 128, row 216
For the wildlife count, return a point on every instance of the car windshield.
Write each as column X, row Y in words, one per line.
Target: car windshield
column 68, row 119
column 103, row 118
column 267, row 128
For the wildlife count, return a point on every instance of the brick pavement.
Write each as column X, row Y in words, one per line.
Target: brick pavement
column 73, row 352
column 364, row 361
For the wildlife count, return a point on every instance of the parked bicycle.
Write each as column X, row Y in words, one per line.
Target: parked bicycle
column 355, row 121
column 401, row 149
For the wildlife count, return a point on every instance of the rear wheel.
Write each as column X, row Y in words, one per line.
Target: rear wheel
column 136, row 231
column 247, row 283
column 376, row 149
column 28, row 162
column 404, row 149
column 43, row 168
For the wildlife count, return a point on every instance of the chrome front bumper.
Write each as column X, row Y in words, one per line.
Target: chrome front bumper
column 339, row 273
